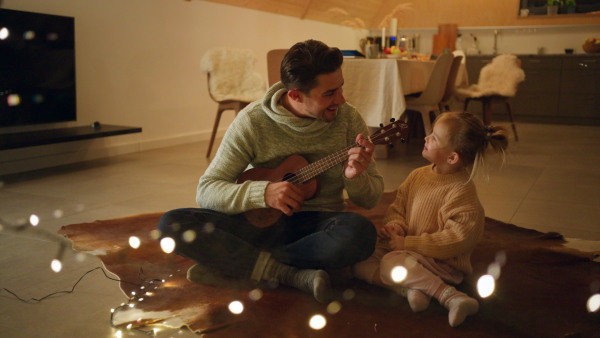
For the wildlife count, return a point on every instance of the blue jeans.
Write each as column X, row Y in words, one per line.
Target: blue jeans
column 306, row 240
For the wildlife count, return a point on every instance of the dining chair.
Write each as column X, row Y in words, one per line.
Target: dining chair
column 232, row 81
column 498, row 82
column 431, row 97
column 444, row 104
column 274, row 58
column 465, row 80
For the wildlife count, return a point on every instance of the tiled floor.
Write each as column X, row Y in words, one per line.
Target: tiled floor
column 551, row 183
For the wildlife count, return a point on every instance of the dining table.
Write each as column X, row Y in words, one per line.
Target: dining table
column 376, row 87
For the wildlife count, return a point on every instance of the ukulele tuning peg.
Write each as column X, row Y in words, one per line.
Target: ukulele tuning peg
column 381, row 125
column 392, row 120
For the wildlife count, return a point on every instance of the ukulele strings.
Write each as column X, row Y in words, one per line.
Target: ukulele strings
column 313, row 169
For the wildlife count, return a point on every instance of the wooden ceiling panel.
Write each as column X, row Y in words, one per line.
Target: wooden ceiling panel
column 374, row 14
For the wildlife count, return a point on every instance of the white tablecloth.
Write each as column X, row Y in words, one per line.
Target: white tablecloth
column 377, row 86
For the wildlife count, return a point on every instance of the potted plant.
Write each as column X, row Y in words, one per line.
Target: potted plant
column 570, row 5
column 552, row 6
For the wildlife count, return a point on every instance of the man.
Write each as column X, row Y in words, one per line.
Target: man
column 305, row 114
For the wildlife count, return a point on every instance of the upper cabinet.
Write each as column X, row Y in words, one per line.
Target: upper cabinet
column 558, row 7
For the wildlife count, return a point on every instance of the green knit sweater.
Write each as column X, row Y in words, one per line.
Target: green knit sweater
column 263, row 135
column 441, row 216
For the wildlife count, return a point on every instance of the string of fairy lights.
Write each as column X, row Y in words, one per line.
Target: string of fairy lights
column 149, row 287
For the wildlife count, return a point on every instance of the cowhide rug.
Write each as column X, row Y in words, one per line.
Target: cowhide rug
column 542, row 290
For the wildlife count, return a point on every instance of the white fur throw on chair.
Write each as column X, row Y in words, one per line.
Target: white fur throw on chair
column 499, row 77
column 232, row 75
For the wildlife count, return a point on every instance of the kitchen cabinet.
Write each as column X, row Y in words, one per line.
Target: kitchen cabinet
column 557, row 88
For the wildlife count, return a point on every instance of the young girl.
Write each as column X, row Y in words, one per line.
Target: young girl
column 437, row 220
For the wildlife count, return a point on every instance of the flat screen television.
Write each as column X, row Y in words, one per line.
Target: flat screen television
column 37, row 68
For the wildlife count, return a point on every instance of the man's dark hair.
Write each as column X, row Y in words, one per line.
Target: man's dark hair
column 305, row 61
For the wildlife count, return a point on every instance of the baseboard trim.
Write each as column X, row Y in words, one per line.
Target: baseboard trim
column 34, row 158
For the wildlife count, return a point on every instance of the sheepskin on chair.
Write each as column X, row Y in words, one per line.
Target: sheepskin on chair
column 499, row 77
column 232, row 75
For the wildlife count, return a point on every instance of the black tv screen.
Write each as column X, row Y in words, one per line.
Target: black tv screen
column 37, row 68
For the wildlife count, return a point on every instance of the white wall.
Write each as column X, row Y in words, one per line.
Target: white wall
column 138, row 65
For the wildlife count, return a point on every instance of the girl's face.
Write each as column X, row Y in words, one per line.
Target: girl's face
column 437, row 149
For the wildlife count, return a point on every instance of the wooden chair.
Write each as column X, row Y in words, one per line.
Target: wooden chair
column 232, row 81
column 274, row 58
column 444, row 104
column 431, row 97
column 498, row 83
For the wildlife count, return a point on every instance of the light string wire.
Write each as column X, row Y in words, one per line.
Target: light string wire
column 144, row 282
column 62, row 242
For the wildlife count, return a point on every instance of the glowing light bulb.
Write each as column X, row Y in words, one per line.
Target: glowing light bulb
column 486, row 285
column 56, row 265
column 399, row 274
column 34, row 220
column 593, row 304
column 4, row 33
column 236, row 307
column 167, row 244
column 134, row 242
column 317, row 322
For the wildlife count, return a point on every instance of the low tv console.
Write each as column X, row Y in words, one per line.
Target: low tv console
column 51, row 136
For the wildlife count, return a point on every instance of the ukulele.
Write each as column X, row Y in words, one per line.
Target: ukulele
column 298, row 171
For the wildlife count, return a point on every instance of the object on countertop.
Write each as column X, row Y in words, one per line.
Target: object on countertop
column 591, row 45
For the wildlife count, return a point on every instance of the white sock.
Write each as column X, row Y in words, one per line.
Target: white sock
column 459, row 305
column 417, row 300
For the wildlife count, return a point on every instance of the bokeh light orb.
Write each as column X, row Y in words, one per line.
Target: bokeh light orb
column 255, row 294
column 56, row 265
column 494, row 270
column 486, row 285
column 29, row 35
column 317, row 322
column 34, row 220
column 13, row 100
column 399, row 274
column 593, row 304
column 167, row 244
column 189, row 236
column 134, row 242
column 334, row 307
column 236, row 307
column 4, row 33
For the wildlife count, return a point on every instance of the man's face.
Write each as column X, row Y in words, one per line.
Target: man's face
column 323, row 101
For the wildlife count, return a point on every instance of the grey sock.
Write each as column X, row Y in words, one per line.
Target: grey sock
column 311, row 281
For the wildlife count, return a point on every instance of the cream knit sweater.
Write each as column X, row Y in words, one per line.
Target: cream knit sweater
column 263, row 135
column 441, row 216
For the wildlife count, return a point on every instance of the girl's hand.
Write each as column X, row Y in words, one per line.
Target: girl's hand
column 389, row 230
column 396, row 243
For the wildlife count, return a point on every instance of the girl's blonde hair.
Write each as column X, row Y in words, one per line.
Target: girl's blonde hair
column 470, row 139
